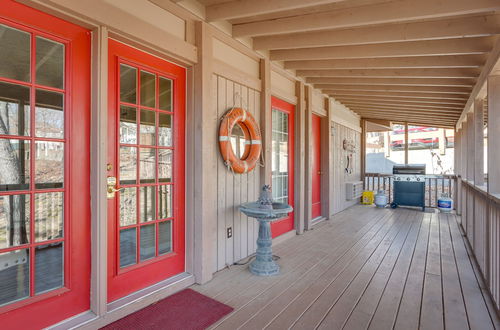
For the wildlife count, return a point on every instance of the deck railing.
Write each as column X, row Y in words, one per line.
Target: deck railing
column 435, row 186
column 480, row 221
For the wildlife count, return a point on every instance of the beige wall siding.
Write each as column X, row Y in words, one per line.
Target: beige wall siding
column 282, row 87
column 235, row 59
column 340, row 177
column 234, row 189
column 343, row 115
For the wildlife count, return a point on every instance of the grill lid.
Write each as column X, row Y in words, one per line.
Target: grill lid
column 409, row 169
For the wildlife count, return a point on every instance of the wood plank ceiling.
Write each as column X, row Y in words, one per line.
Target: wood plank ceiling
column 399, row 60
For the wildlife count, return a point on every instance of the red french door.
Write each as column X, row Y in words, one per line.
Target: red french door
column 316, row 166
column 282, row 161
column 146, row 164
column 44, row 168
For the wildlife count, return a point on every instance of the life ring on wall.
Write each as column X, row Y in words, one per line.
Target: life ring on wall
column 253, row 140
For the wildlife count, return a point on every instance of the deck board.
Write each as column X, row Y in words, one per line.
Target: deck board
column 365, row 268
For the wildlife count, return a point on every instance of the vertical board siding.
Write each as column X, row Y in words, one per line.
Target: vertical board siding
column 234, row 189
column 340, row 177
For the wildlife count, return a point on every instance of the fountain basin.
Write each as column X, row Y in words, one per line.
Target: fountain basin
column 278, row 210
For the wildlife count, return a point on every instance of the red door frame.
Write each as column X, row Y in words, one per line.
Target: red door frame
column 286, row 224
column 132, row 278
column 74, row 297
column 316, row 166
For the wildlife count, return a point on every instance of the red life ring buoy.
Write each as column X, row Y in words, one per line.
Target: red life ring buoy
column 253, row 140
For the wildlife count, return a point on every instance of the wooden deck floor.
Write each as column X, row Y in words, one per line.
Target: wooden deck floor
column 366, row 268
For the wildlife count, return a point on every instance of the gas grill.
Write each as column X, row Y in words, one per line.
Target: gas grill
column 409, row 185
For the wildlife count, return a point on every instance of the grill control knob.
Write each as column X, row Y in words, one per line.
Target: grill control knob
column 407, row 179
column 418, row 179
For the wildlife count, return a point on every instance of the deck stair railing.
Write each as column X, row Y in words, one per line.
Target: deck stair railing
column 435, row 186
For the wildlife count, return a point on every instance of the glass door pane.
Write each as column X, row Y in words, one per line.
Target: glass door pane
column 32, row 164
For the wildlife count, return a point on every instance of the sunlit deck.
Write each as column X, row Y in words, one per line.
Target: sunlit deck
column 365, row 268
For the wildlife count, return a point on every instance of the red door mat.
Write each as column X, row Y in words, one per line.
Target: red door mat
column 186, row 309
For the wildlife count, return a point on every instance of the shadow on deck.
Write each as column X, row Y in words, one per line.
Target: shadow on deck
column 365, row 268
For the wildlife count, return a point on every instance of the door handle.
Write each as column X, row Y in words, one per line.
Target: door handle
column 319, row 172
column 111, row 187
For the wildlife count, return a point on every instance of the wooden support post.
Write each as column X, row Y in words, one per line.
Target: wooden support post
column 363, row 152
column 326, row 162
column 442, row 141
column 387, row 145
column 308, row 158
column 406, row 143
column 470, row 147
column 493, row 135
column 478, row 142
column 300, row 169
column 458, row 171
column 266, row 120
column 205, row 206
column 463, row 151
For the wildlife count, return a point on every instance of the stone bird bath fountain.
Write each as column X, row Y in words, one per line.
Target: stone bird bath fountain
column 265, row 211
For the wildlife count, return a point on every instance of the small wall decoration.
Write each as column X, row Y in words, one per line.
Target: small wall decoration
column 239, row 140
column 349, row 145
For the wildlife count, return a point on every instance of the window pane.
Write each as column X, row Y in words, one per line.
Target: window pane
column 165, row 130
column 148, row 242
column 148, row 165
column 14, row 54
column 165, row 207
column 128, row 206
column 14, row 276
column 148, row 89
column 128, row 247
column 148, row 127
column 128, row 165
column 14, row 164
column 14, row 220
column 148, row 203
column 49, row 164
column 128, row 84
column 165, row 94
column 49, row 115
column 49, row 265
column 165, row 165
column 280, row 156
column 14, row 109
column 49, row 216
column 49, row 63
column 165, row 239
column 128, row 125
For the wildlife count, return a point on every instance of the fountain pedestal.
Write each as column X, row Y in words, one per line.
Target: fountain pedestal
column 265, row 211
column 264, row 265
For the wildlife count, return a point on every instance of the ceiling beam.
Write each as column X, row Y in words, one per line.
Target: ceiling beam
column 421, row 122
column 452, row 112
column 391, row 73
column 436, row 106
column 387, row 88
column 407, row 115
column 380, row 13
column 461, row 46
column 442, row 29
column 245, row 8
column 412, row 62
column 402, row 94
column 399, row 100
column 394, row 81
